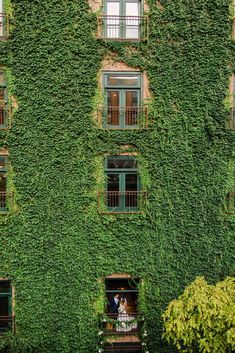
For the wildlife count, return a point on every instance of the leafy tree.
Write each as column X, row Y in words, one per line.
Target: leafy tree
column 203, row 318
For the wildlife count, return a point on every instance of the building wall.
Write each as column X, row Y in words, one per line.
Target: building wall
column 56, row 245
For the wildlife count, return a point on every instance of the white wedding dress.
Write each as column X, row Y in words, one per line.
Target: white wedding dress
column 125, row 321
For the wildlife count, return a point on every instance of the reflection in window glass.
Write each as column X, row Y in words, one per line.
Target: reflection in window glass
column 113, row 163
column 123, row 80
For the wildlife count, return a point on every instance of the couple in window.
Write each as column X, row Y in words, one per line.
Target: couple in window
column 118, row 308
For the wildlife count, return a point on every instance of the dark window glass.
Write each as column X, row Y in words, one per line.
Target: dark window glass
column 5, row 287
column 3, row 163
column 127, row 163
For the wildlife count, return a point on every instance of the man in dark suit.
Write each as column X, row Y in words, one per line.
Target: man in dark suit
column 114, row 305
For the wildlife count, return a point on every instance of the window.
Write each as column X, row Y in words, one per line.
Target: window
column 123, row 101
column 3, row 102
column 230, row 203
column 122, row 20
column 2, row 21
column 232, row 116
column 126, row 288
column 122, row 299
column 6, row 316
column 123, row 194
column 3, row 185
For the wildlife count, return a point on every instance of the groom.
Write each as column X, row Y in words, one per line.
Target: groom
column 114, row 305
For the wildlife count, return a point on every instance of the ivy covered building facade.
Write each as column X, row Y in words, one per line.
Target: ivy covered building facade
column 116, row 167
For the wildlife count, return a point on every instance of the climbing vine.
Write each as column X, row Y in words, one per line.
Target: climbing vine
column 55, row 244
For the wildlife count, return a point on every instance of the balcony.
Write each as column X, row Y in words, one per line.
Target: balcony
column 124, row 324
column 123, row 118
column 4, row 26
column 127, row 28
column 6, row 323
column 122, row 202
column 6, row 201
column 232, row 119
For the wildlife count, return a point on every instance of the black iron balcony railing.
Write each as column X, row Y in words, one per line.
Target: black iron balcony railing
column 6, row 200
column 7, row 323
column 4, row 114
column 122, row 201
column 122, row 324
column 4, row 26
column 232, row 119
column 124, row 117
column 130, row 28
column 124, row 348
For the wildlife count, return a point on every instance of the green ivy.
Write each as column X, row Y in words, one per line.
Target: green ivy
column 55, row 245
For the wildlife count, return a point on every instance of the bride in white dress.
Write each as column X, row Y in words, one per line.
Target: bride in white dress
column 125, row 321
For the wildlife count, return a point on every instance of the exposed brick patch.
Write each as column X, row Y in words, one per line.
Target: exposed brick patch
column 95, row 5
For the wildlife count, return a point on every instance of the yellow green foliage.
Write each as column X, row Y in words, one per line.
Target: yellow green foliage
column 203, row 317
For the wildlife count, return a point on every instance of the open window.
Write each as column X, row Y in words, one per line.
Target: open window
column 6, row 317
column 123, row 192
column 126, row 288
column 123, row 107
column 123, row 20
column 122, row 307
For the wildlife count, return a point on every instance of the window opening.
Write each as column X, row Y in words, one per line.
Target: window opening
column 3, row 102
column 122, row 183
column 123, row 101
column 5, row 305
column 230, row 203
column 122, row 306
column 122, row 19
column 232, row 117
column 3, row 184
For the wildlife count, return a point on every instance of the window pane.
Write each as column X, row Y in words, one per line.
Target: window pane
column 132, row 23
column 113, row 182
column 113, row 107
column 131, row 182
column 4, row 306
column 132, row 8
column 3, row 187
column 123, row 81
column 131, row 109
column 113, row 196
column 5, row 287
column 127, row 163
column 131, row 190
column 113, row 98
column 112, row 23
column 113, row 8
column 2, row 163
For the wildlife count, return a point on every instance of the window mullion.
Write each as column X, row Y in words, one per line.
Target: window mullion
column 122, row 190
